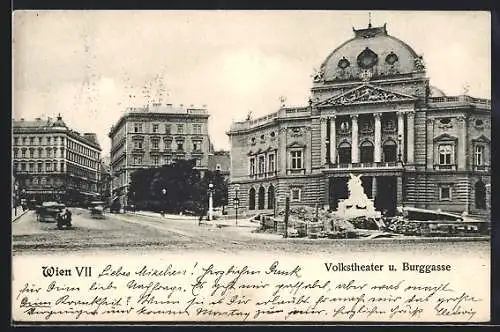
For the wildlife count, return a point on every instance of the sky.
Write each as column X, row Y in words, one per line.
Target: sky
column 86, row 65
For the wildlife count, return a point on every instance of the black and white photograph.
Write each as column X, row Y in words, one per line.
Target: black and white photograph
column 251, row 166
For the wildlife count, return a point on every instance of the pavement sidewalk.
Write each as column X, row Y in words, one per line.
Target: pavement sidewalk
column 15, row 216
column 245, row 222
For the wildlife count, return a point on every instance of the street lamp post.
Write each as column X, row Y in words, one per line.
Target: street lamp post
column 210, row 201
column 236, row 202
column 164, row 192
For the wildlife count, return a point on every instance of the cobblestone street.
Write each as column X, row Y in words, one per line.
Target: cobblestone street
column 149, row 231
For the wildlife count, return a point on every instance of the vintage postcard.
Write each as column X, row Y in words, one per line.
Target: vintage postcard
column 251, row 166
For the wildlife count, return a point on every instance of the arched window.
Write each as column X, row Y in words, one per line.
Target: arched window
column 480, row 194
column 366, row 152
column 251, row 199
column 270, row 197
column 389, row 151
column 262, row 195
column 344, row 151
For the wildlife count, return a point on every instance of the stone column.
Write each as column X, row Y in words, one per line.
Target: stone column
column 401, row 135
column 282, row 152
column 333, row 142
column 461, row 152
column 374, row 187
column 354, row 139
column 378, row 138
column 410, row 122
column 323, row 140
column 399, row 184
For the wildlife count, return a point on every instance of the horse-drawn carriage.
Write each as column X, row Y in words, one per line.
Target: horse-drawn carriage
column 54, row 212
column 97, row 209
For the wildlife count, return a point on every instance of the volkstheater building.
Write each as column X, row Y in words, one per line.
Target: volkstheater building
column 372, row 112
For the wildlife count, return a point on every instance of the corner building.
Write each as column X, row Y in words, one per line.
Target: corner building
column 156, row 135
column 54, row 162
column 372, row 112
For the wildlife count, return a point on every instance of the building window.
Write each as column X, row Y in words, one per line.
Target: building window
column 196, row 146
column 168, row 129
column 155, row 128
column 39, row 167
column 35, row 180
column 366, row 152
column 15, row 153
column 271, row 163
column 198, row 162
column 296, row 159
column 251, row 199
column 138, row 144
column 48, row 167
column 31, row 153
column 252, row 166
column 445, row 193
column 479, row 155
column 445, row 154
column 32, row 141
column 262, row 197
column 262, row 164
column 16, row 140
column 295, row 194
column 32, row 167
column 48, row 141
column 168, row 160
column 168, row 143
column 49, row 153
column 180, row 129
column 156, row 160
column 270, row 197
column 43, row 181
column 24, row 140
column 180, row 146
column 389, row 152
column 155, row 144
column 197, row 129
column 480, row 195
column 137, row 127
column 23, row 153
column 137, row 160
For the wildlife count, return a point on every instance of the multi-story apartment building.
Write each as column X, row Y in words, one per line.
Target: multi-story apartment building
column 53, row 162
column 153, row 136
column 105, row 184
column 372, row 112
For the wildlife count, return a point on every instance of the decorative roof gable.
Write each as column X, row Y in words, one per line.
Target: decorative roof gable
column 366, row 94
column 445, row 137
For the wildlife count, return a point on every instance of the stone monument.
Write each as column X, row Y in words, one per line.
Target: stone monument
column 357, row 204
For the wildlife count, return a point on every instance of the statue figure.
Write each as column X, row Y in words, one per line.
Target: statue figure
column 419, row 63
column 355, row 187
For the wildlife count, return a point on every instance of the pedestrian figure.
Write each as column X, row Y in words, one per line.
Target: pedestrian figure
column 201, row 216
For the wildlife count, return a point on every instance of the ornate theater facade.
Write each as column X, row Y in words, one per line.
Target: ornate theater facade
column 372, row 112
